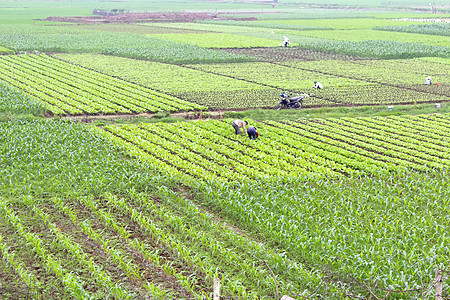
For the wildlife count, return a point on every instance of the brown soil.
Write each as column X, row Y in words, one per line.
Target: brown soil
column 146, row 18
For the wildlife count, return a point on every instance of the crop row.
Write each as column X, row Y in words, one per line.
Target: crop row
column 4, row 50
column 72, row 284
column 10, row 259
column 172, row 79
column 160, row 242
column 76, row 90
column 380, row 49
column 193, row 85
column 286, row 54
column 244, row 85
column 377, row 230
column 278, row 76
column 414, row 41
column 409, row 73
column 379, row 94
column 218, row 40
column 207, row 161
column 434, row 29
column 348, row 86
column 247, row 99
column 118, row 44
column 210, row 151
column 392, row 152
column 18, row 102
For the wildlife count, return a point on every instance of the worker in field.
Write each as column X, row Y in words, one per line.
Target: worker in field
column 286, row 41
column 318, row 85
column 238, row 124
column 252, row 133
column 428, row 80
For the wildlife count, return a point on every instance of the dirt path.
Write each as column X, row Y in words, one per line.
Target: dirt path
column 182, row 115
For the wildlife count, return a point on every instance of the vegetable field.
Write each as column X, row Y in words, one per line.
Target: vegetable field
column 121, row 176
column 218, row 40
column 68, row 89
column 17, row 102
column 208, row 151
column 84, row 239
column 125, row 230
column 258, row 84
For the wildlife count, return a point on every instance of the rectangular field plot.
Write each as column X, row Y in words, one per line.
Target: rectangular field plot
column 277, row 76
column 398, row 72
column 346, row 82
column 197, row 86
column 210, row 27
column 70, row 89
column 210, row 151
column 364, row 35
column 259, row 84
column 218, row 40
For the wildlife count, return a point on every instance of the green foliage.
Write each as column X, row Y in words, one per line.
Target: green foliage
column 16, row 102
column 439, row 60
column 196, row 86
column 335, row 22
column 376, row 230
column 4, row 50
column 365, row 198
column 218, row 40
column 53, row 82
column 258, row 84
column 378, row 48
column 74, row 177
column 57, row 157
column 359, row 35
column 336, row 112
column 258, row 24
column 315, row 150
column 253, row 184
column 120, row 44
column 434, row 29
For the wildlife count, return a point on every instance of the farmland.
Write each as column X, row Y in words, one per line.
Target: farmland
column 122, row 176
column 258, row 84
column 53, row 81
column 299, row 149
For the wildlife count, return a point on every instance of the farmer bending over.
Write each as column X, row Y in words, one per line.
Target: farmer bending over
column 237, row 124
column 318, row 85
column 428, row 80
column 286, row 41
column 252, row 133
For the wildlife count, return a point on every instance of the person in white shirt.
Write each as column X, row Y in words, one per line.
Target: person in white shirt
column 428, row 80
column 286, row 41
column 317, row 85
column 237, row 124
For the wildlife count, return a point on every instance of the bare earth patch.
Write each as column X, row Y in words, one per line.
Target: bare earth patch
column 146, row 18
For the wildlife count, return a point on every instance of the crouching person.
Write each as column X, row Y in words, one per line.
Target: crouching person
column 252, row 133
column 237, row 124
